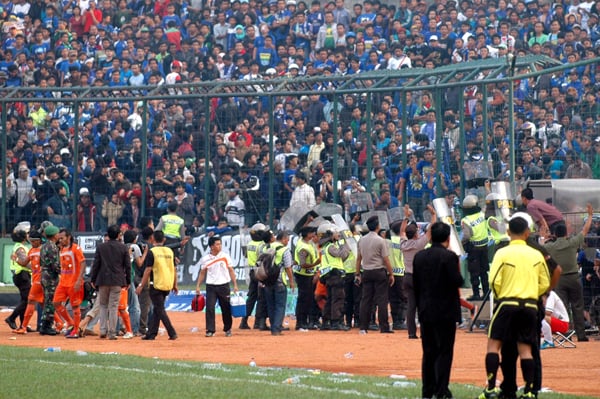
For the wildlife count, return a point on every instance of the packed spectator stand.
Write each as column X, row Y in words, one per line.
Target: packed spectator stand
column 146, row 43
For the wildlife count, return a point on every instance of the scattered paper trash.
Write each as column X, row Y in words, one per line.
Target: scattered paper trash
column 404, row 384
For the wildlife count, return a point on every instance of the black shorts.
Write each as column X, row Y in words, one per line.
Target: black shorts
column 514, row 323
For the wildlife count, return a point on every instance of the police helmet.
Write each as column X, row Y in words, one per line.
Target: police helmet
column 527, row 217
column 470, row 201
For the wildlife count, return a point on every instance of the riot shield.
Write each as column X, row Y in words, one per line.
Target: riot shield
column 444, row 214
column 384, row 223
column 503, row 202
column 344, row 229
column 327, row 209
column 294, row 218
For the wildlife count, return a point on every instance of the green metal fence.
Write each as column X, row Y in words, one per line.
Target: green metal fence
column 203, row 98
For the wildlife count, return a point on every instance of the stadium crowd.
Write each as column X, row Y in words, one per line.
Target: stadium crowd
column 128, row 43
column 126, row 46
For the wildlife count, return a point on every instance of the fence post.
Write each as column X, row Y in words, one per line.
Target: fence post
column 4, row 168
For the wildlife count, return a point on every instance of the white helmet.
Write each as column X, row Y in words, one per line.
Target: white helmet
column 470, row 201
column 326, row 228
column 22, row 226
column 529, row 126
column 258, row 227
column 527, row 217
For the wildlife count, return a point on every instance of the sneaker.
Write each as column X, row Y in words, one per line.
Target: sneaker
column 546, row 345
column 128, row 335
column 490, row 394
column 210, row 334
column 528, row 395
column 362, row 332
column 20, row 331
column 73, row 334
column 228, row 333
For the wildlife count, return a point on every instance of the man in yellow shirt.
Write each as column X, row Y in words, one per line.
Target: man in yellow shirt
column 160, row 271
column 519, row 276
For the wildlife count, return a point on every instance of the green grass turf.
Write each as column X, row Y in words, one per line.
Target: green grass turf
column 33, row 373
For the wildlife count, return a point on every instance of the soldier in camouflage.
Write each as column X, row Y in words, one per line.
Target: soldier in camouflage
column 50, row 265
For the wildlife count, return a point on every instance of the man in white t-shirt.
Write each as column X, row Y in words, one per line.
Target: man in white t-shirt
column 174, row 77
column 556, row 319
column 217, row 270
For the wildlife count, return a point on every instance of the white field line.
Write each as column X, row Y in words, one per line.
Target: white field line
column 349, row 392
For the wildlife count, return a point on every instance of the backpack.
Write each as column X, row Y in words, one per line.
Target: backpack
column 267, row 272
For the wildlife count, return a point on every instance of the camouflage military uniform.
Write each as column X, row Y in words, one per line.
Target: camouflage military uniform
column 50, row 264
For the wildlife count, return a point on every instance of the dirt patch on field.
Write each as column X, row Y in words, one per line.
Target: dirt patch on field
column 565, row 370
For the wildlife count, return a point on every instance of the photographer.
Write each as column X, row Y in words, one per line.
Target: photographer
column 251, row 196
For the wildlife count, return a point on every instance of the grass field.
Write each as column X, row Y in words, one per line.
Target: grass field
column 31, row 372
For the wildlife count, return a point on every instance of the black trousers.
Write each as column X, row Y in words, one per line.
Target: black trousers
column 411, row 304
column 352, row 293
column 255, row 297
column 374, row 292
column 307, row 311
column 478, row 265
column 159, row 313
column 222, row 294
column 334, row 307
column 437, row 340
column 397, row 300
column 23, row 282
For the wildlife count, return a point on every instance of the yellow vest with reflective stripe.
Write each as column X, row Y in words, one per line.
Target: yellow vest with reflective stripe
column 396, row 257
column 279, row 259
column 312, row 251
column 495, row 234
column 172, row 225
column 14, row 266
column 350, row 262
column 163, row 269
column 254, row 249
column 329, row 262
column 479, row 227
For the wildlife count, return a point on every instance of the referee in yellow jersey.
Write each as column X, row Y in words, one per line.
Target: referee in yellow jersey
column 518, row 277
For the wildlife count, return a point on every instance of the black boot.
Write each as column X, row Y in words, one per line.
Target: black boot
column 47, row 329
column 244, row 324
column 261, row 324
column 339, row 326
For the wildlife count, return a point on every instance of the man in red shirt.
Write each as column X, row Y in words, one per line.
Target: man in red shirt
column 545, row 215
column 92, row 16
